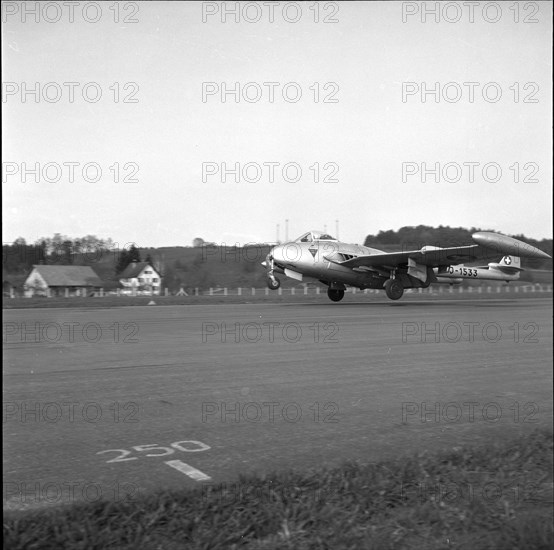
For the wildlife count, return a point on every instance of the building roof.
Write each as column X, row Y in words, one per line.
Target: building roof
column 68, row 275
column 134, row 269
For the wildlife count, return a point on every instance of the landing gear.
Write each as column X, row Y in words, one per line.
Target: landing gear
column 335, row 295
column 273, row 283
column 394, row 289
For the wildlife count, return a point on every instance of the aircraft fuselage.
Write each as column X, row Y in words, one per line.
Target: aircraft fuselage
column 318, row 256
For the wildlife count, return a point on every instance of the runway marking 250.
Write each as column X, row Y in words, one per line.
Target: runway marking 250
column 190, row 446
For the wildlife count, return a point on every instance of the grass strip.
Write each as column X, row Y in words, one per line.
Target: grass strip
column 497, row 496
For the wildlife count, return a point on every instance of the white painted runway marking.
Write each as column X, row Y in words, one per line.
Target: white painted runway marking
column 188, row 470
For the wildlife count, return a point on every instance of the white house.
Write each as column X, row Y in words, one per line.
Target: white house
column 140, row 277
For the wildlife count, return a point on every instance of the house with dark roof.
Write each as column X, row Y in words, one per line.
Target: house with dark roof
column 62, row 280
column 140, row 278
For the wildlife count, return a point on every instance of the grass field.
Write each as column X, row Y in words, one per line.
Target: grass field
column 490, row 497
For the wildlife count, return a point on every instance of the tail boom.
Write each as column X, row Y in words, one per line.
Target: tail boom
column 508, row 269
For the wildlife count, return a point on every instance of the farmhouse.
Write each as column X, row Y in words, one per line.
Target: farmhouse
column 61, row 280
column 140, row 277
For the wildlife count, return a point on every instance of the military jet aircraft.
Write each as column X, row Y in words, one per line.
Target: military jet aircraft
column 318, row 256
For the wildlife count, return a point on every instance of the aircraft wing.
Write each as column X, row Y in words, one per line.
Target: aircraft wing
column 432, row 257
column 489, row 246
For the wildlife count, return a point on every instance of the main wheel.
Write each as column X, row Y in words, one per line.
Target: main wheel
column 274, row 283
column 335, row 295
column 394, row 289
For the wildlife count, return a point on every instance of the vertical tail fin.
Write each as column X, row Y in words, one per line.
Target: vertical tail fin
column 508, row 263
column 513, row 262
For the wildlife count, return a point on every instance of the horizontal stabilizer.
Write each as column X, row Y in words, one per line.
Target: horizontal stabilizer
column 508, row 264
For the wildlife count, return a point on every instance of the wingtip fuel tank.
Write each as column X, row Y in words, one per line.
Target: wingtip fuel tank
column 507, row 245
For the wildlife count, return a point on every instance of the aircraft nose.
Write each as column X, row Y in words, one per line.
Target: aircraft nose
column 277, row 253
column 269, row 258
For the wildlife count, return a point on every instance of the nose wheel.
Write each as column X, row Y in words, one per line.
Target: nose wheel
column 335, row 295
column 273, row 283
column 394, row 289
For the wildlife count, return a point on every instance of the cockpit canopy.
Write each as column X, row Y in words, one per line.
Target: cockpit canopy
column 312, row 236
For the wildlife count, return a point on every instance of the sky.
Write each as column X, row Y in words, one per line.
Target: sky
column 379, row 115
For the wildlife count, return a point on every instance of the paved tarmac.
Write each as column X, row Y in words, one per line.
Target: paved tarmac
column 118, row 402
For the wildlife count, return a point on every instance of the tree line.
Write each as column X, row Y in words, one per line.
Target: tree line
column 19, row 256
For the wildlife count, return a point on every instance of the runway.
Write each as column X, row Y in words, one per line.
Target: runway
column 119, row 402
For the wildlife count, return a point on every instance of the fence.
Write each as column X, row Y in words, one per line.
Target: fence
column 306, row 290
